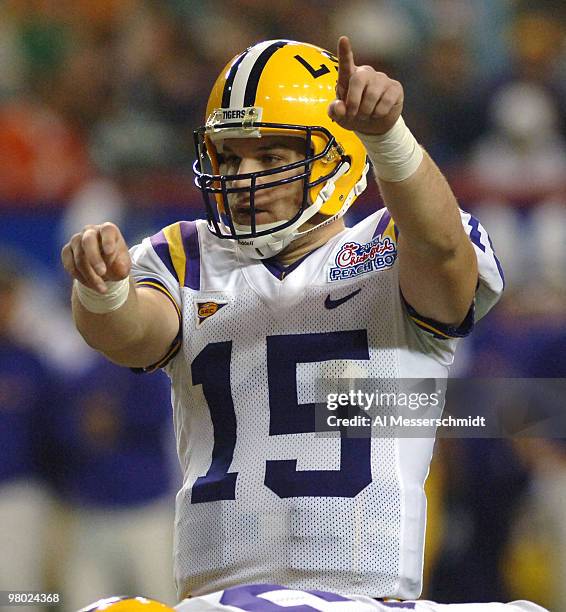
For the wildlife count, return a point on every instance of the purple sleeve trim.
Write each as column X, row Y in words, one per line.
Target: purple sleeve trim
column 189, row 235
column 382, row 225
column 161, row 247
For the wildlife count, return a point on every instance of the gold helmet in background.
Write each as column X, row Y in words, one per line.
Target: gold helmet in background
column 126, row 604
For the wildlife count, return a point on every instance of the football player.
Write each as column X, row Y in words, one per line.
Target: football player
column 245, row 310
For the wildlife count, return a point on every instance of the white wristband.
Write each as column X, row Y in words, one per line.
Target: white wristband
column 101, row 303
column 395, row 155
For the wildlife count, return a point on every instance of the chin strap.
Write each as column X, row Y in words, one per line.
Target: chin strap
column 272, row 244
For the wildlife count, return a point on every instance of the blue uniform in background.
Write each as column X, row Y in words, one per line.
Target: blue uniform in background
column 23, row 396
column 110, row 429
column 24, row 502
column 112, row 454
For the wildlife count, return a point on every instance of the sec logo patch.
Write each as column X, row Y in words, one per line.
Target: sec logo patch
column 207, row 309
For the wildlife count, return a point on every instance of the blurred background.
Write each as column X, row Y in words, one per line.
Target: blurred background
column 98, row 100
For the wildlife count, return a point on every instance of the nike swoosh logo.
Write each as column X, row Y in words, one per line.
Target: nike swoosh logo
column 330, row 304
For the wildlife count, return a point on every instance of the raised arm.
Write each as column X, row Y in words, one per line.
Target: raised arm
column 132, row 326
column 437, row 265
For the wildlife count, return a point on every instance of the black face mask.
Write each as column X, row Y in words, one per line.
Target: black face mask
column 221, row 224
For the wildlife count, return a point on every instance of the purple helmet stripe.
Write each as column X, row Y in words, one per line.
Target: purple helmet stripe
column 230, row 81
column 255, row 74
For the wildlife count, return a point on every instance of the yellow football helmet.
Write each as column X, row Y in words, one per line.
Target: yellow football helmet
column 279, row 87
column 126, row 604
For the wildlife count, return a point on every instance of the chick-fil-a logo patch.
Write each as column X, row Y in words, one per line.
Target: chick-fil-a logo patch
column 354, row 259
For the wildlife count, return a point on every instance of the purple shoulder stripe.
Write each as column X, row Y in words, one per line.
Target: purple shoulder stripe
column 161, row 247
column 189, row 235
column 382, row 225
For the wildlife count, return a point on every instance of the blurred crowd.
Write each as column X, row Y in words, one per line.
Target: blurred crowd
column 98, row 100
column 116, row 87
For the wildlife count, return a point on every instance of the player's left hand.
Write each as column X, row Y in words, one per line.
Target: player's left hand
column 367, row 101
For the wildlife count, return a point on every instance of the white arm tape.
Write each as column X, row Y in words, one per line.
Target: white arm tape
column 395, row 155
column 102, row 303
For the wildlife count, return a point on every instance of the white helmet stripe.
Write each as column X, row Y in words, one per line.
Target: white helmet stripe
column 247, row 76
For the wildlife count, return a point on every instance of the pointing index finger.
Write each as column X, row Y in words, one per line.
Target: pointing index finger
column 346, row 65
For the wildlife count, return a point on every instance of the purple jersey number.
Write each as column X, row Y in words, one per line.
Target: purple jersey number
column 287, row 416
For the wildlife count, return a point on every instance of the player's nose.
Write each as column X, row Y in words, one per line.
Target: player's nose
column 246, row 166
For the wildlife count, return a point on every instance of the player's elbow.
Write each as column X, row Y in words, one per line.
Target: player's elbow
column 446, row 247
column 449, row 244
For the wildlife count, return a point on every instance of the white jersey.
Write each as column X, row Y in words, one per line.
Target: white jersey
column 265, row 498
column 273, row 598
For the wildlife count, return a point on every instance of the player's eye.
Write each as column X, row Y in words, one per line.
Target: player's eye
column 228, row 160
column 272, row 159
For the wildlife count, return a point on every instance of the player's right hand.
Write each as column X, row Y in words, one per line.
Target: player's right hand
column 96, row 254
